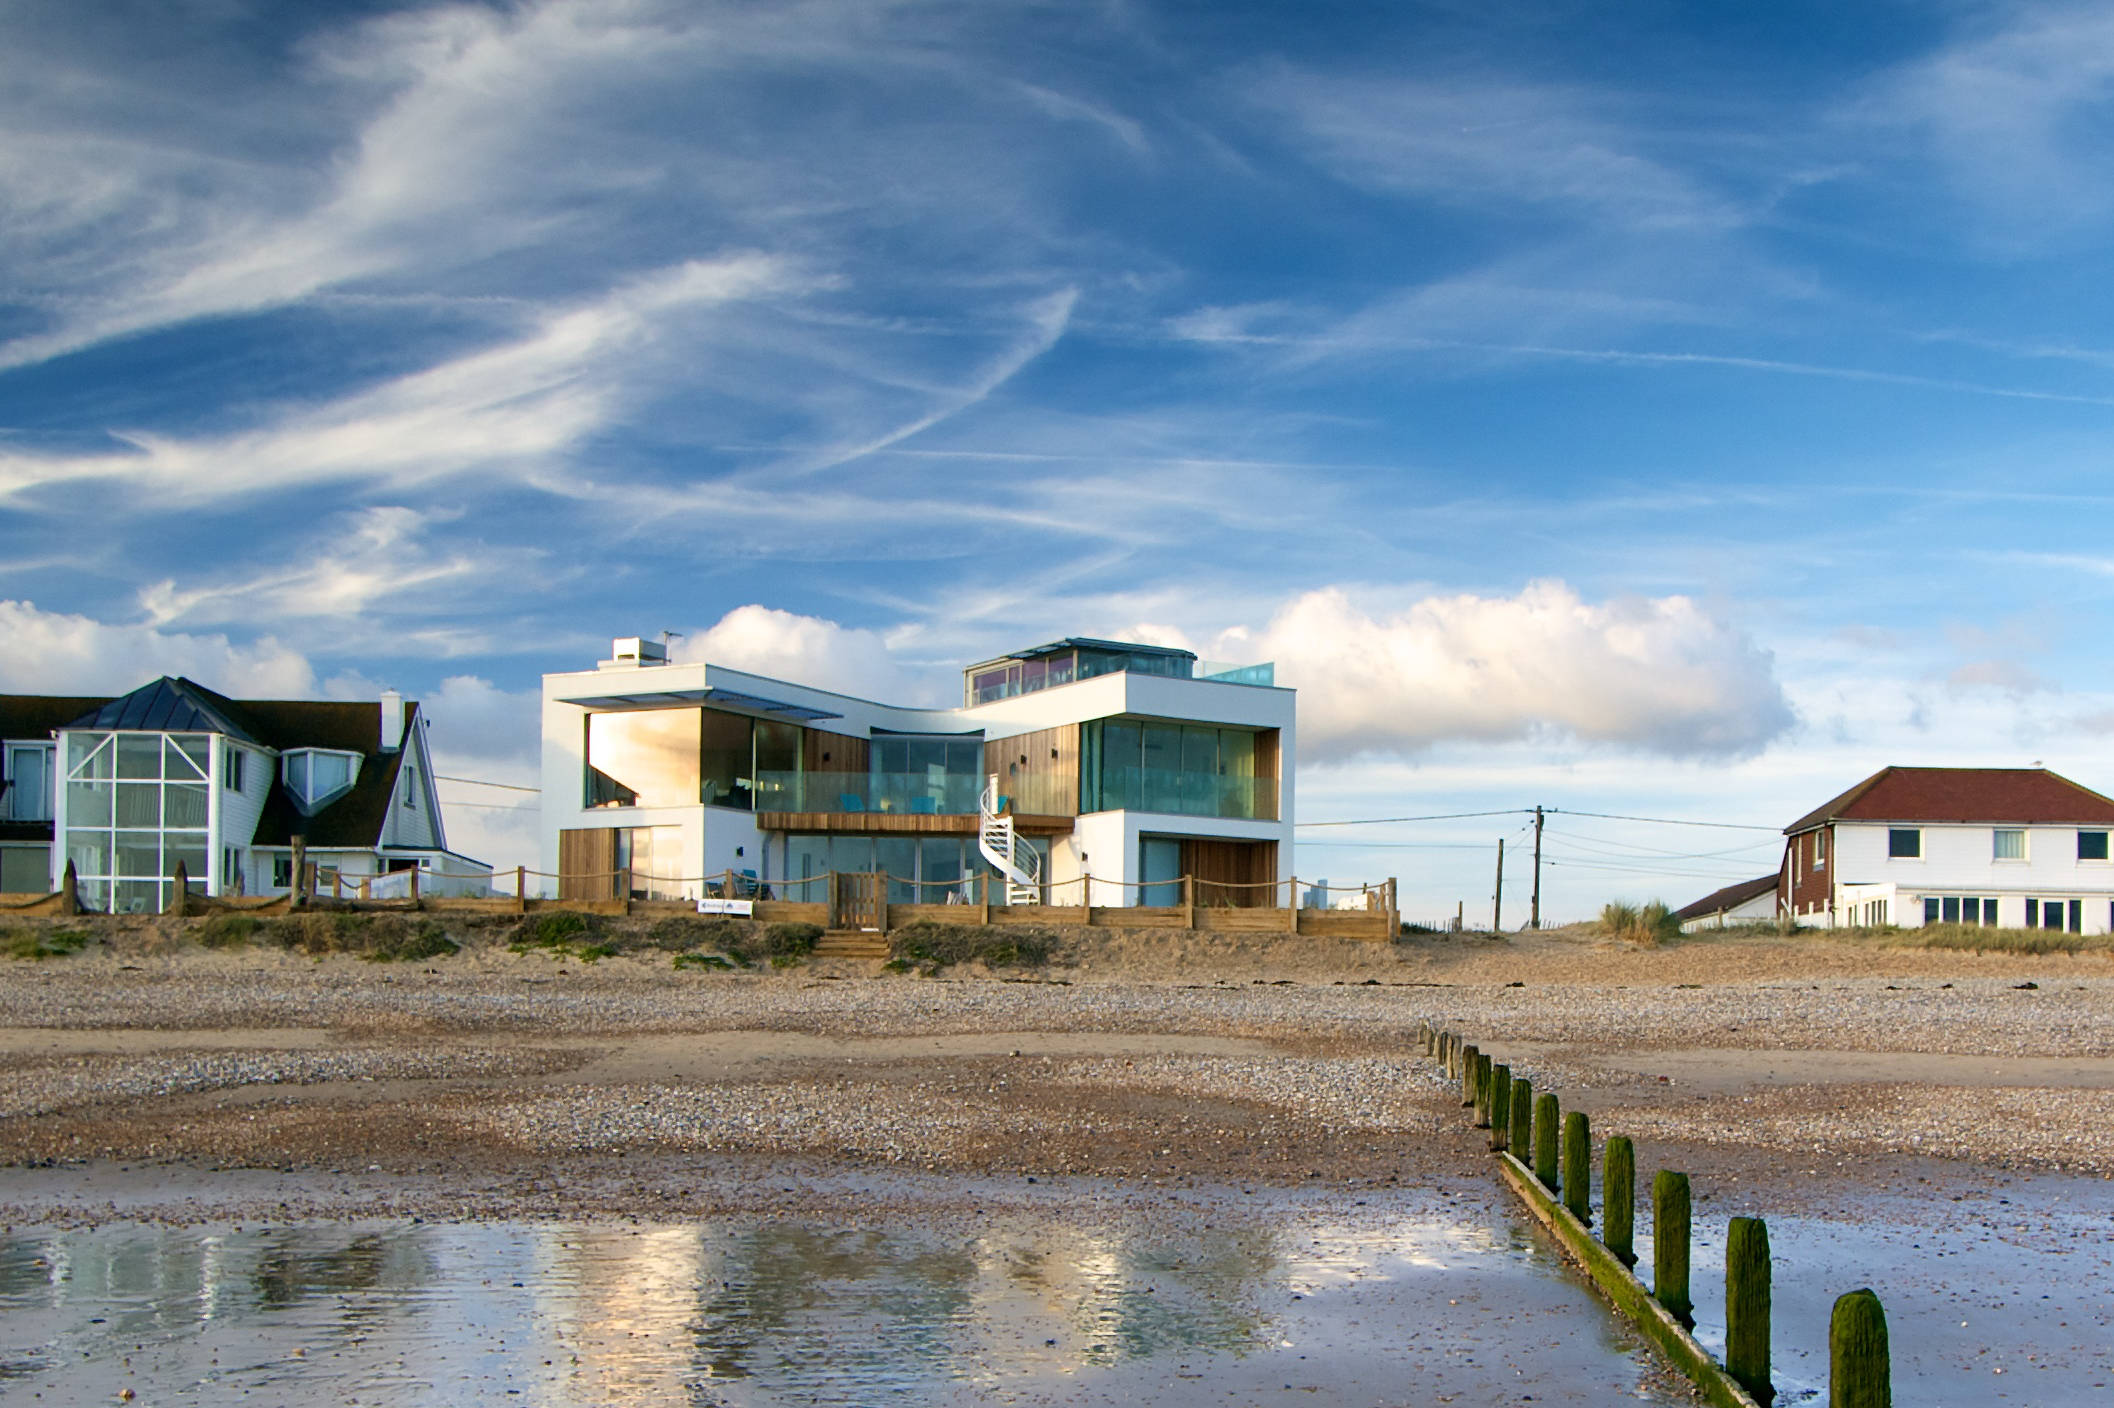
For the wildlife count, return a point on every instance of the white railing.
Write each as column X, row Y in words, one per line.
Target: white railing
column 1000, row 844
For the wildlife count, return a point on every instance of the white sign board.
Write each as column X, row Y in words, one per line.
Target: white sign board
column 745, row 908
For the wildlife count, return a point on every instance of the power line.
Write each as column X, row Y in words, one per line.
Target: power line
column 494, row 806
column 1667, row 820
column 1386, row 820
column 480, row 782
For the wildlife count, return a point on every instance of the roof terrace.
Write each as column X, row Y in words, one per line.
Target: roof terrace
column 1081, row 658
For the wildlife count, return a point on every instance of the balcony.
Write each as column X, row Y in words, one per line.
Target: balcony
column 1179, row 792
column 881, row 803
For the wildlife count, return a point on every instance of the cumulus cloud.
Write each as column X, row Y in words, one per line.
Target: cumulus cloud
column 804, row 649
column 49, row 652
column 490, row 735
column 1658, row 674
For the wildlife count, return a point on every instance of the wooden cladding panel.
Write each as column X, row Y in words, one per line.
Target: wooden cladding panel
column 1242, row 874
column 586, row 862
column 845, row 753
column 1047, row 783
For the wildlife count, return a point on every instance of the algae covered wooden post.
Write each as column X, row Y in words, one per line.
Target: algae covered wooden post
column 1747, row 1306
column 1497, row 1108
column 1578, row 1166
column 1548, row 1124
column 1670, row 1214
column 1618, row 1199
column 1521, row 1135
column 1860, row 1371
column 1469, row 1058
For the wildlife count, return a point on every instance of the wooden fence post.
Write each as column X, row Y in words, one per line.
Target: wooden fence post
column 298, row 896
column 1548, row 1125
column 180, row 890
column 1618, row 1199
column 1469, row 1057
column 1497, row 1109
column 984, row 913
column 1670, row 1215
column 1578, row 1166
column 337, row 883
column 1860, row 1369
column 415, row 901
column 1747, row 1306
column 1086, row 895
column 1188, row 902
column 521, row 889
column 70, row 891
column 1293, row 908
column 1521, row 1135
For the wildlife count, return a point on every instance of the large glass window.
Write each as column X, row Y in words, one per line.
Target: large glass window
column 1183, row 769
column 726, row 760
column 926, row 773
column 643, row 758
column 137, row 807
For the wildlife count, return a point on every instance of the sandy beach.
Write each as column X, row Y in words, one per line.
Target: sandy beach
column 497, row 1084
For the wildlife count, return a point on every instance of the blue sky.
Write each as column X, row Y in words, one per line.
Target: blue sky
column 1648, row 411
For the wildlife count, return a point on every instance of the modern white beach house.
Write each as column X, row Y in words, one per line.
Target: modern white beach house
column 173, row 773
column 1078, row 772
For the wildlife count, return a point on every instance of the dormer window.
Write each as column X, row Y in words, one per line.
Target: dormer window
column 318, row 776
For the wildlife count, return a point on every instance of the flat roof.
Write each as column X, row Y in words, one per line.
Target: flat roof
column 1059, row 647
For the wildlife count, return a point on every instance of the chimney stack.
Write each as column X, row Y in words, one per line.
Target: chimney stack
column 392, row 721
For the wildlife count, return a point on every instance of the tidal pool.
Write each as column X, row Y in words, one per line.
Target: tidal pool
column 1290, row 1301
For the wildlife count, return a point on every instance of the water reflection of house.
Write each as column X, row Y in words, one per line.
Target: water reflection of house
column 1133, row 764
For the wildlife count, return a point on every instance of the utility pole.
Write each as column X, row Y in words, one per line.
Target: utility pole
column 1535, row 922
column 1497, row 907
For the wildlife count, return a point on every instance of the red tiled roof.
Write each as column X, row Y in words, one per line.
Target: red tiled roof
column 2020, row 796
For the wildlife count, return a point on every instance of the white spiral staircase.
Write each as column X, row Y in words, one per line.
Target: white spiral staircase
column 996, row 838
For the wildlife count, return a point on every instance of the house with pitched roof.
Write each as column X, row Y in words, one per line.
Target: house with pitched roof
column 2009, row 847
column 1748, row 902
column 174, row 773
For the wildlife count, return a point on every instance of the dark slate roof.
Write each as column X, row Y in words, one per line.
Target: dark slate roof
column 27, row 716
column 182, row 706
column 168, row 706
column 356, row 818
column 2010, row 796
column 1731, row 897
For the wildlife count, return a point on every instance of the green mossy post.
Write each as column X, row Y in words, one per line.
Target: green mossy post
column 70, row 891
column 1747, row 1306
column 1670, row 1214
column 1499, row 1106
column 1618, row 1199
column 1521, row 1135
column 179, row 890
column 1471, row 1062
column 1548, row 1124
column 1860, row 1371
column 1578, row 1166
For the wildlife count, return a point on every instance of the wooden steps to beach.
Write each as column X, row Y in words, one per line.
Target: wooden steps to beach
column 852, row 943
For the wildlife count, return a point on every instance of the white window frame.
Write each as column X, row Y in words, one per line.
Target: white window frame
column 2106, row 836
column 48, row 800
column 1996, row 845
column 305, row 800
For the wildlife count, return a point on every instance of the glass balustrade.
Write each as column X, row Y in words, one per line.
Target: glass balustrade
column 1179, row 792
column 887, row 793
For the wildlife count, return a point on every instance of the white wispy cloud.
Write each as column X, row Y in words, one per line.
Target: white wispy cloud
column 506, row 412
column 2016, row 109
